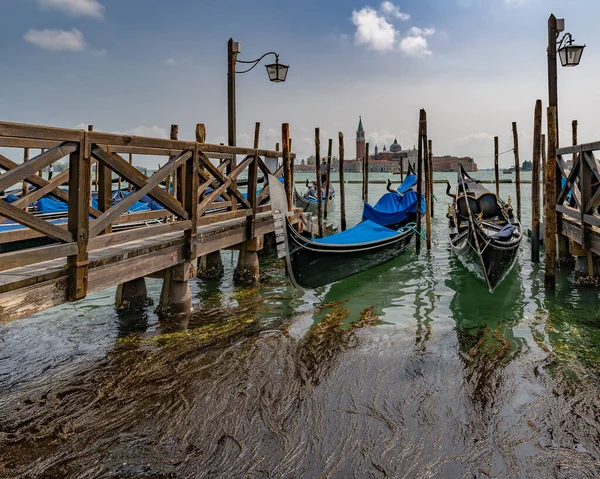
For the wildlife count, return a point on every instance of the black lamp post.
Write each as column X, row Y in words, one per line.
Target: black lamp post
column 277, row 73
column 570, row 55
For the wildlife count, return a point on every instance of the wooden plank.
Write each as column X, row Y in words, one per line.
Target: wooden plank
column 22, row 130
column 208, row 201
column 134, row 176
column 190, row 202
column 595, row 146
column 114, row 212
column 35, row 223
column 592, row 163
column 12, row 142
column 216, row 173
column 16, row 259
column 253, row 185
column 127, row 236
column 570, row 181
column 29, row 168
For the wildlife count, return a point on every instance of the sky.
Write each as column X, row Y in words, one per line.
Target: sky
column 138, row 66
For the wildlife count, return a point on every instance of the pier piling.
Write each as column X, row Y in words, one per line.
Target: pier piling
column 517, row 168
column 431, row 195
column 329, row 148
column 550, row 202
column 535, row 183
column 132, row 295
column 366, row 175
column 175, row 297
column 428, row 184
column 419, row 178
column 342, row 185
column 496, row 172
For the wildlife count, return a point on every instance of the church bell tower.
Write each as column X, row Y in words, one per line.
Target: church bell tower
column 360, row 140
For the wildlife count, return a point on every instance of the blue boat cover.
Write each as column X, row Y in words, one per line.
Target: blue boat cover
column 12, row 226
column 407, row 184
column 505, row 233
column 49, row 204
column 364, row 232
column 392, row 208
column 11, row 198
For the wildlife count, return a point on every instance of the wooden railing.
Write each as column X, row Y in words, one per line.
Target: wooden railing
column 206, row 193
column 578, row 200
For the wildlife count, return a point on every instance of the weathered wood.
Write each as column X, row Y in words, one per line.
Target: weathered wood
column 36, row 194
column 574, row 138
column 419, row 178
column 216, row 173
column 134, row 176
column 328, row 176
column 127, row 236
column 496, row 172
column 550, row 202
column 427, row 184
column 80, row 171
column 37, row 132
column 114, row 212
column 12, row 142
column 543, row 149
column 287, row 169
column 431, row 194
column 517, row 168
column 342, row 185
column 20, row 258
column 16, row 214
column 253, row 179
column 535, row 183
column 25, row 158
column 29, row 168
column 104, row 182
column 318, row 175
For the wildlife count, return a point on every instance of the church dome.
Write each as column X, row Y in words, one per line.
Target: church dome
column 395, row 147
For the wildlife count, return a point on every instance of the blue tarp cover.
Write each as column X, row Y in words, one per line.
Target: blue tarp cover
column 392, row 208
column 48, row 204
column 407, row 184
column 11, row 225
column 364, row 232
column 505, row 233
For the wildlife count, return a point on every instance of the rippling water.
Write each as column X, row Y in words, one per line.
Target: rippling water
column 411, row 369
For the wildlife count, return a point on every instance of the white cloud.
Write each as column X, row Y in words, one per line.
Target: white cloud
column 391, row 10
column 56, row 40
column 154, row 131
column 474, row 137
column 415, row 46
column 373, row 30
column 80, row 8
column 421, row 32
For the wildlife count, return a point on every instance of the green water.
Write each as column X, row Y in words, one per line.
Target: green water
column 411, row 369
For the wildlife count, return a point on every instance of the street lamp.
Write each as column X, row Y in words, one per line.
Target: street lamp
column 570, row 55
column 277, row 73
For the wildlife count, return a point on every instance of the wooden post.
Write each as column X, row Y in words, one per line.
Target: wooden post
column 103, row 185
column 550, row 202
column 543, row 148
column 419, row 178
column 431, row 195
column 24, row 184
column 401, row 169
column 94, row 162
column 574, row 137
column 130, row 186
column 496, row 172
column 535, row 183
column 342, row 186
column 318, row 173
column 40, row 172
column 292, row 162
column 189, row 201
column 329, row 148
column 78, row 222
column 427, row 184
column 517, row 168
column 287, row 169
column 366, row 175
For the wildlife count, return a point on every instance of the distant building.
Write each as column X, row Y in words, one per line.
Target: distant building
column 452, row 163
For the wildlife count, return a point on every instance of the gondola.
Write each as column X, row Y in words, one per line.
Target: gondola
column 483, row 230
column 315, row 263
column 397, row 207
column 310, row 203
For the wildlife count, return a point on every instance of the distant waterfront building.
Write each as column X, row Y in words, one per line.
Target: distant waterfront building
column 452, row 163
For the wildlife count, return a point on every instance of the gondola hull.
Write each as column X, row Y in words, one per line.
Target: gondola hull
column 311, row 206
column 316, row 264
column 495, row 261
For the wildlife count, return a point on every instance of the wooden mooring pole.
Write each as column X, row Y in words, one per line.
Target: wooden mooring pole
column 543, row 149
column 419, row 179
column 535, row 183
column 427, row 184
column 366, row 176
column 287, row 167
column 24, row 185
column 318, row 173
column 342, row 186
column 431, row 195
column 517, row 168
column 574, row 138
column 496, row 172
column 550, row 202
column 328, row 178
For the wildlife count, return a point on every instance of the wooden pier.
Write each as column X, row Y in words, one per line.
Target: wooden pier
column 45, row 264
